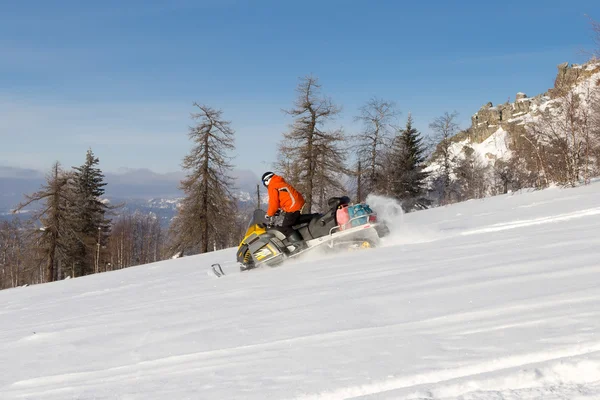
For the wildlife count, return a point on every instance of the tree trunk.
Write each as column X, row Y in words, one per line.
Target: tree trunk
column 205, row 171
column 311, row 165
column 358, row 186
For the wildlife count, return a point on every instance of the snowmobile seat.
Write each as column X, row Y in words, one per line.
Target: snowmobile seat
column 301, row 225
column 317, row 225
column 304, row 220
column 322, row 225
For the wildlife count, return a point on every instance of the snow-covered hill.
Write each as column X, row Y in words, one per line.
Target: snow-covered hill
column 494, row 129
column 489, row 299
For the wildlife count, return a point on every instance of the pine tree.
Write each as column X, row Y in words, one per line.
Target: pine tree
column 406, row 175
column 310, row 157
column 89, row 213
column 208, row 207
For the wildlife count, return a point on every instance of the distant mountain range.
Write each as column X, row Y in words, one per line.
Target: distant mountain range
column 140, row 189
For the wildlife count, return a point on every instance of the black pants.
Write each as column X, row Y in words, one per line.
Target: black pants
column 289, row 220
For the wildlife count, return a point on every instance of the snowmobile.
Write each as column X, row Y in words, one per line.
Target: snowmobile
column 344, row 226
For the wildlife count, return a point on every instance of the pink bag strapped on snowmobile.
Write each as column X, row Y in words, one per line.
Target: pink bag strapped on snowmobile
column 342, row 216
column 360, row 214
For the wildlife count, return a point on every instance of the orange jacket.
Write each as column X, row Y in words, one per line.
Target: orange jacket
column 283, row 195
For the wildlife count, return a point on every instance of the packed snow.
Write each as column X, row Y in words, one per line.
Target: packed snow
column 489, row 299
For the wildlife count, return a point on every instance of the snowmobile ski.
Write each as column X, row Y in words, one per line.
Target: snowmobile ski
column 216, row 268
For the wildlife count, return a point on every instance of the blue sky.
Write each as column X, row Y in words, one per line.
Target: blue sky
column 121, row 76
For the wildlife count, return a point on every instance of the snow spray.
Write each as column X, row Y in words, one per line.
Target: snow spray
column 390, row 211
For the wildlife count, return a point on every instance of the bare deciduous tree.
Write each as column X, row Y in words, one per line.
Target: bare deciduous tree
column 503, row 177
column 19, row 260
column 11, row 253
column 566, row 127
column 377, row 117
column 208, row 203
column 135, row 239
column 594, row 131
column 57, row 226
column 530, row 158
column 471, row 174
column 595, row 27
column 310, row 156
column 444, row 127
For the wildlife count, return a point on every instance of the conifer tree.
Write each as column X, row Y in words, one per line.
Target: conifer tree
column 205, row 213
column 406, row 173
column 310, row 157
column 89, row 213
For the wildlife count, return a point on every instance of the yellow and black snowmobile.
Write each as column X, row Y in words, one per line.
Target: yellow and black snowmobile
column 344, row 226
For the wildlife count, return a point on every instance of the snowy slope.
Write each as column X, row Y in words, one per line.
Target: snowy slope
column 490, row 299
column 495, row 147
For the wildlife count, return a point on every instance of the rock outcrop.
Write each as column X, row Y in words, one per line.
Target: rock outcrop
column 489, row 118
column 570, row 75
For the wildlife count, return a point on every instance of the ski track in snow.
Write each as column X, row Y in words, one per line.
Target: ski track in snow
column 496, row 299
column 580, row 372
column 536, row 221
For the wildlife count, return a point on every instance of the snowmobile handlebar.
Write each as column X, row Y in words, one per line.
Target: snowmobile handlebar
column 269, row 221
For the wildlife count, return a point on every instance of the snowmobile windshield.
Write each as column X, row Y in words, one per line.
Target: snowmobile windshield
column 258, row 218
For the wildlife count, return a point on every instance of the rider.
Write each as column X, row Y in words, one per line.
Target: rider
column 283, row 196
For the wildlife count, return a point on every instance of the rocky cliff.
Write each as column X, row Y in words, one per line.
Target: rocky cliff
column 495, row 131
column 489, row 118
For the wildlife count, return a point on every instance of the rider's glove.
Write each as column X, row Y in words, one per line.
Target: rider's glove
column 269, row 220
